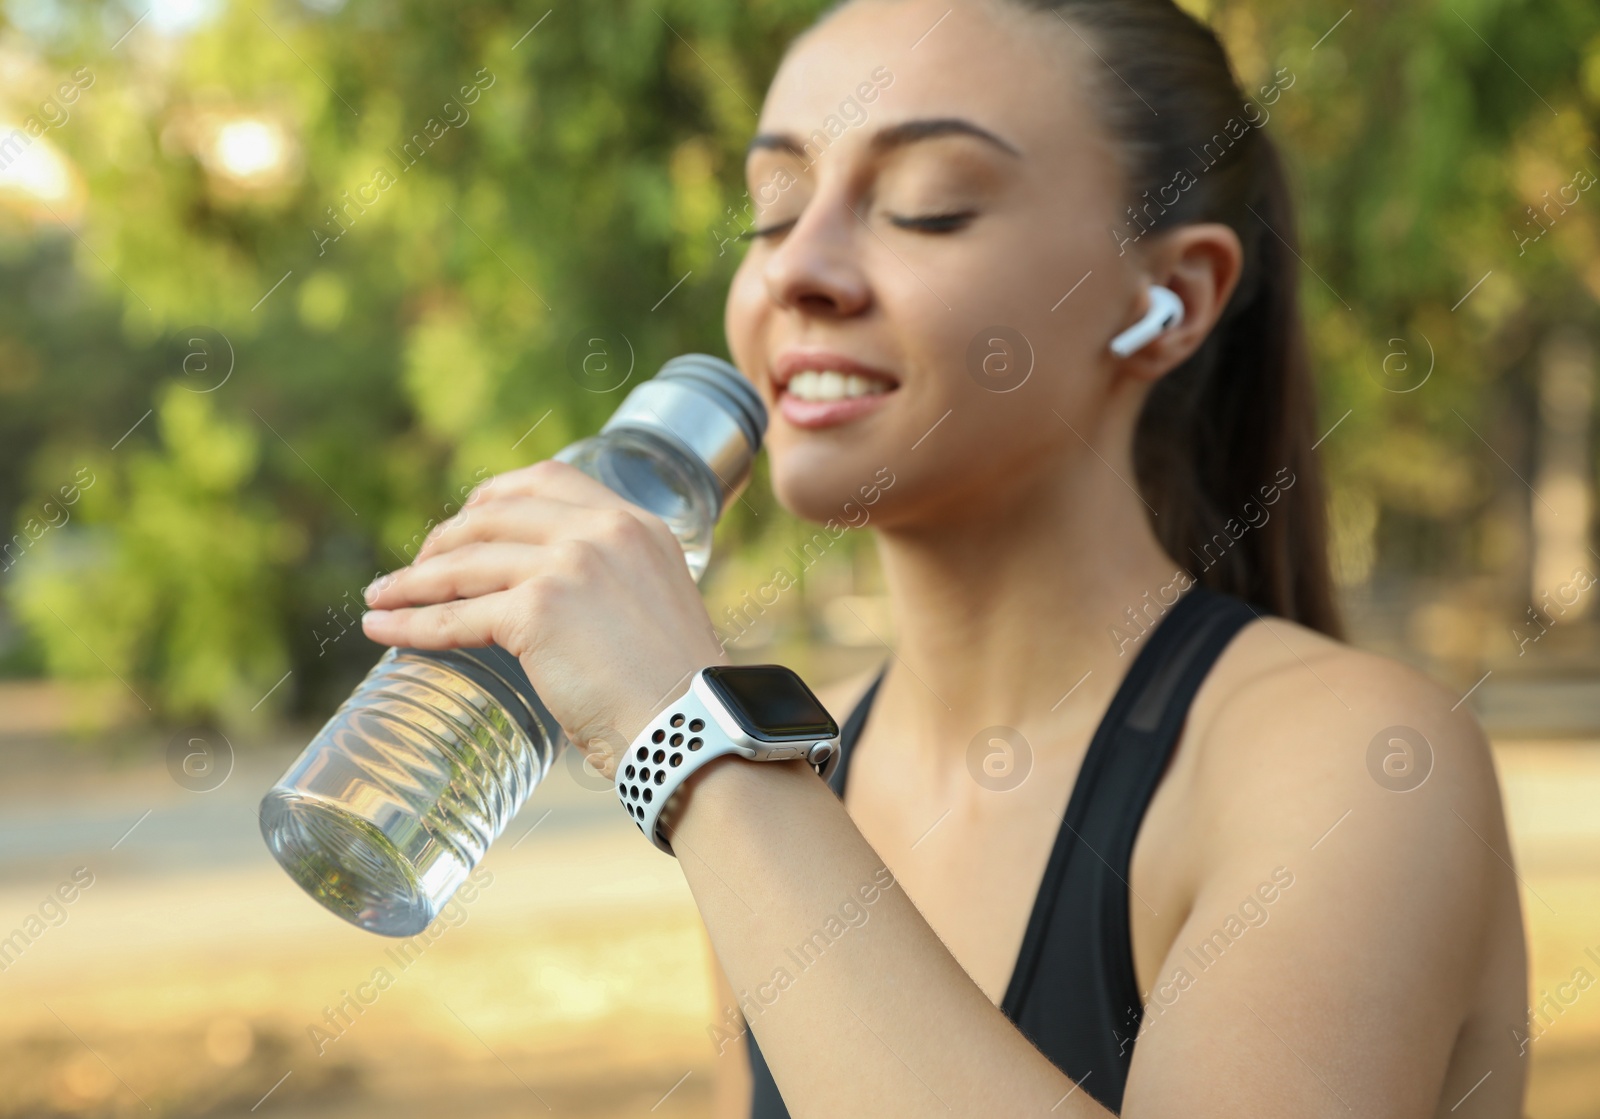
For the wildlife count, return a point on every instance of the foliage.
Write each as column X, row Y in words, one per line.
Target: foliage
column 325, row 362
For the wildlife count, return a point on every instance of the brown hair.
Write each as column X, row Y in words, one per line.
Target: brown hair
column 1235, row 423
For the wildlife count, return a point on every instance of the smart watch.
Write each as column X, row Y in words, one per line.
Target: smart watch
column 762, row 712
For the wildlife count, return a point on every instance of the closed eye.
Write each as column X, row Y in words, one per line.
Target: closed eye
column 765, row 231
column 926, row 223
column 934, row 223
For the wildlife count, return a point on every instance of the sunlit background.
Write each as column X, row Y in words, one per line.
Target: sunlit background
column 278, row 280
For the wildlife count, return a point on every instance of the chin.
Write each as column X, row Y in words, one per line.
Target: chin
column 820, row 484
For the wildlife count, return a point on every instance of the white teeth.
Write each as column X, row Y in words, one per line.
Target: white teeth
column 812, row 384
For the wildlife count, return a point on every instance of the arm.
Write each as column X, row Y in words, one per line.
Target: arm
column 882, row 1021
column 592, row 596
column 1341, row 927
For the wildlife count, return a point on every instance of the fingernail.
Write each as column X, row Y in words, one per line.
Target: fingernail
column 370, row 594
column 374, row 616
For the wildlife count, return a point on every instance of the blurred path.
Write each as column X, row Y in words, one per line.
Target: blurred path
column 190, row 974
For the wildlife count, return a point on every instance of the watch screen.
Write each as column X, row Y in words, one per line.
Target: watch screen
column 770, row 701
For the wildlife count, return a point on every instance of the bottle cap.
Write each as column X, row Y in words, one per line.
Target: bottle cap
column 723, row 382
column 708, row 407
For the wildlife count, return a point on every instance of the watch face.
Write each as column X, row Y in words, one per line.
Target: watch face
column 771, row 702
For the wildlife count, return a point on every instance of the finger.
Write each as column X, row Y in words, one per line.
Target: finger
column 468, row 624
column 467, row 571
column 507, row 518
column 558, row 480
column 529, row 519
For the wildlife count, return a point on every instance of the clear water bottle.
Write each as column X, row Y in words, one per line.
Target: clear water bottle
column 399, row 795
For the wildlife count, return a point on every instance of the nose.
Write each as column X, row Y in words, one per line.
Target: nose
column 817, row 267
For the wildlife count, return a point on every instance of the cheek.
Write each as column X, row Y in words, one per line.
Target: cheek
column 744, row 317
column 1010, row 320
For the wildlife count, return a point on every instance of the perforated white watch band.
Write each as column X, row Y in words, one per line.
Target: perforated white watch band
column 677, row 742
column 692, row 730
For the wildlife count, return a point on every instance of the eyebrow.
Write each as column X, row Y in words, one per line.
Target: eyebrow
column 895, row 136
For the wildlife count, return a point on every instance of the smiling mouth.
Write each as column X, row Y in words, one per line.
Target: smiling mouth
column 820, row 385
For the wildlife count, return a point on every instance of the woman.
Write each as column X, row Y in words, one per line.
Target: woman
column 1128, row 829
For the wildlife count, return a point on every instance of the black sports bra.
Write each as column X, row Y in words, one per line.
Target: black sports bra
column 1073, row 991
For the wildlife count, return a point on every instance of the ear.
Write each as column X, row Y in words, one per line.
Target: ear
column 1200, row 263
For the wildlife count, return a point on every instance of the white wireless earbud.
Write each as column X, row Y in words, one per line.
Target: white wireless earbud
column 1166, row 312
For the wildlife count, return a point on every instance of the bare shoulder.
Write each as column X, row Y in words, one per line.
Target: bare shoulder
column 1289, row 705
column 1357, row 765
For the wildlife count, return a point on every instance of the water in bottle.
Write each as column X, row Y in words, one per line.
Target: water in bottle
column 396, row 799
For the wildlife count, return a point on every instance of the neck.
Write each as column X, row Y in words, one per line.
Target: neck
column 1026, row 612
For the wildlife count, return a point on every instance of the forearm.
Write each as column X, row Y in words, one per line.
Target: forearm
column 874, row 1018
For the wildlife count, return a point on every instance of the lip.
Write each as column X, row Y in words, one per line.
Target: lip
column 826, row 413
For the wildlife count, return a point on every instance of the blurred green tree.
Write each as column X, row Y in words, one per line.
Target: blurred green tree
column 336, row 263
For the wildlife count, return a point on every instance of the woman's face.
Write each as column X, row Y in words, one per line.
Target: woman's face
column 933, row 202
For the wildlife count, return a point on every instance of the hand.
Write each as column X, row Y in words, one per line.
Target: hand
column 588, row 591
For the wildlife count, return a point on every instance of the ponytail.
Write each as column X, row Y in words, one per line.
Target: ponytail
column 1224, row 448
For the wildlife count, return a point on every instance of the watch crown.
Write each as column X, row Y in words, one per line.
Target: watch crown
column 820, row 753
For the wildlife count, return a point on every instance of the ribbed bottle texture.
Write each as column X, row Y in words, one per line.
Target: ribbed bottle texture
column 414, row 776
